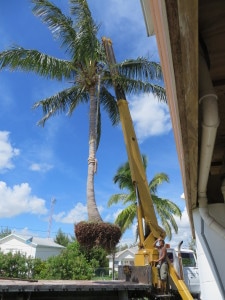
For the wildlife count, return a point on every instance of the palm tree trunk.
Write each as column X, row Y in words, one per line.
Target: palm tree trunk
column 93, row 213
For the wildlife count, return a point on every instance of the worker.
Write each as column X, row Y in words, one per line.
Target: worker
column 162, row 264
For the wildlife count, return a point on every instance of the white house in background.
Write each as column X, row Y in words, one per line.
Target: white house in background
column 34, row 247
column 125, row 257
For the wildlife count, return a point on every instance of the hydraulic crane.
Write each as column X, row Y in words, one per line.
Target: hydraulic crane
column 150, row 231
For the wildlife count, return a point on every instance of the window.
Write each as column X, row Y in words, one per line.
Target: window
column 188, row 259
column 126, row 262
column 170, row 256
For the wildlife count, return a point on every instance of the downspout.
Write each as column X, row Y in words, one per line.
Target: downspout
column 210, row 123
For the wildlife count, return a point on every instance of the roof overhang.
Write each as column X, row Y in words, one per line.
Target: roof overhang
column 176, row 29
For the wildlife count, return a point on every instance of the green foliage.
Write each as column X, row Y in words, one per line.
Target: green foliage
column 70, row 264
column 73, row 263
column 62, row 239
column 97, row 253
column 164, row 208
column 4, row 232
column 15, row 265
column 38, row 266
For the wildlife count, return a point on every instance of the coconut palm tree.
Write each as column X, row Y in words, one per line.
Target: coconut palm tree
column 86, row 69
column 165, row 209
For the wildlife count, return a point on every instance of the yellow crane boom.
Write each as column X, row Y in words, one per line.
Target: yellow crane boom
column 145, row 209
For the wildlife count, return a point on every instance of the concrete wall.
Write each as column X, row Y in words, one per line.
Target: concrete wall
column 210, row 255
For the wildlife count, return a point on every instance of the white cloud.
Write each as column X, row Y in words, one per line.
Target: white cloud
column 7, row 152
column 19, row 200
column 129, row 236
column 150, row 116
column 75, row 215
column 111, row 217
column 40, row 167
column 184, row 231
column 24, row 231
column 116, row 213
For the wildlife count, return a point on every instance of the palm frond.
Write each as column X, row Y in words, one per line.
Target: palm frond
column 173, row 223
column 166, row 211
column 167, row 229
column 114, row 199
column 133, row 86
column 80, row 95
column 86, row 32
column 172, row 208
column 124, row 169
column 167, row 218
column 60, row 25
column 107, row 78
column 126, row 217
column 131, row 198
column 164, row 208
column 124, row 181
column 167, row 206
column 64, row 101
column 110, row 105
column 137, row 76
column 144, row 160
column 32, row 60
column 157, row 180
column 140, row 69
column 123, row 176
column 80, row 10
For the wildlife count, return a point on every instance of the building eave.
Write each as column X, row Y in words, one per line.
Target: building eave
column 176, row 29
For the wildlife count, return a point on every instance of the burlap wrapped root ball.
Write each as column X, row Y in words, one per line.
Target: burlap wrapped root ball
column 92, row 234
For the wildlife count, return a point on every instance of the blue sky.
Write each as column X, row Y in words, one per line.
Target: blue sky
column 38, row 164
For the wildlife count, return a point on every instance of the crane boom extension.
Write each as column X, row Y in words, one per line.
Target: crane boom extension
column 145, row 204
column 145, row 209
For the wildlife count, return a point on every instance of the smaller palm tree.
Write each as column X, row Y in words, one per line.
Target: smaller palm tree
column 165, row 209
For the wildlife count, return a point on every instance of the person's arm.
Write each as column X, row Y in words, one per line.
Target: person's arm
column 155, row 242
